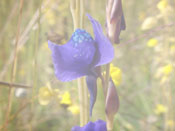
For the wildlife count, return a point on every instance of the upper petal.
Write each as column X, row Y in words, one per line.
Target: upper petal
column 105, row 50
column 73, row 59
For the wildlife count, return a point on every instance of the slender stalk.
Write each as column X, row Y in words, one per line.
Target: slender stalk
column 35, row 73
column 167, row 92
column 14, row 85
column 35, row 77
column 9, row 19
column 13, row 73
column 81, row 100
column 76, row 7
column 78, row 13
column 86, row 103
column 81, row 13
column 86, row 100
column 105, row 80
column 23, row 38
column 12, row 117
column 107, row 76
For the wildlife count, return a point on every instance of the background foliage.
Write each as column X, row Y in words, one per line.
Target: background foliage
column 146, row 56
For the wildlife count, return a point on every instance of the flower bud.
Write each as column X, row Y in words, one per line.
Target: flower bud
column 112, row 104
column 115, row 20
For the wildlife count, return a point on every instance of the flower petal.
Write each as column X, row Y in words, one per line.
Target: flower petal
column 105, row 52
column 98, row 125
column 91, row 81
column 73, row 59
column 123, row 23
column 76, row 128
column 89, row 126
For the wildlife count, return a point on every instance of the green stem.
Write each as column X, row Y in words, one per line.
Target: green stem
column 16, row 85
column 77, row 9
column 13, row 73
column 35, row 68
column 107, row 76
column 86, row 100
column 86, row 103
column 81, row 100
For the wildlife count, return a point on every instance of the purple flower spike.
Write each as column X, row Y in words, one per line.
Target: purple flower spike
column 81, row 54
column 99, row 125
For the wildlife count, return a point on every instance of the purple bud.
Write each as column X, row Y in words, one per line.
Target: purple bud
column 115, row 20
column 112, row 104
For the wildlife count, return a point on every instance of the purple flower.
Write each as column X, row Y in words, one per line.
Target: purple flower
column 99, row 125
column 81, row 54
column 91, row 81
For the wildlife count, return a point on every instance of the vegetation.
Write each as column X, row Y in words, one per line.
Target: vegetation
column 31, row 97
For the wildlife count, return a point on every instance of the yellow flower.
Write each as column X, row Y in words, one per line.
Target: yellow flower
column 66, row 100
column 160, row 109
column 162, row 5
column 63, row 6
column 152, row 42
column 45, row 46
column 170, row 123
column 165, row 9
column 50, row 16
column 167, row 69
column 148, row 23
column 116, row 74
column 129, row 126
column 56, row 91
column 74, row 109
column 163, row 73
column 141, row 16
column 164, row 79
column 22, row 72
column 172, row 48
column 45, row 95
column 171, row 39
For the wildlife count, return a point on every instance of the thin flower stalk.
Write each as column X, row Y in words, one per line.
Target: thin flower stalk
column 35, row 68
column 23, row 38
column 167, row 93
column 13, row 73
column 86, row 100
column 77, row 10
column 35, row 77
column 107, row 76
column 16, row 85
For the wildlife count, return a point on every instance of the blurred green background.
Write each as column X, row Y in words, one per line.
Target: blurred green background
column 145, row 55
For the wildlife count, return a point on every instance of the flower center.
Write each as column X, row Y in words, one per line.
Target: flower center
column 81, row 36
